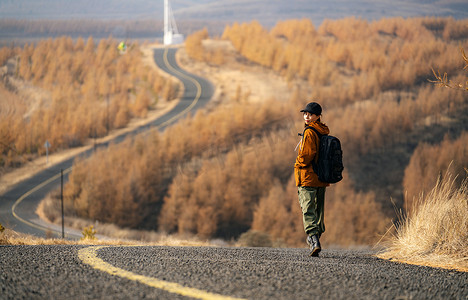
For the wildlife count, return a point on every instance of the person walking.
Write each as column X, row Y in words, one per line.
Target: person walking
column 311, row 191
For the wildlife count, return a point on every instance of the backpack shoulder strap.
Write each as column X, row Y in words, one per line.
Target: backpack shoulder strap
column 315, row 130
column 319, row 135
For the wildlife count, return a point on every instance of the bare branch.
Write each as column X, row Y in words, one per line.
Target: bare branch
column 464, row 58
column 442, row 80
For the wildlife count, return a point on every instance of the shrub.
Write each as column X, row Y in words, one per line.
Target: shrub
column 89, row 233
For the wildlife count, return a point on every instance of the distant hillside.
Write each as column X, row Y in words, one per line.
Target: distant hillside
column 267, row 12
column 25, row 21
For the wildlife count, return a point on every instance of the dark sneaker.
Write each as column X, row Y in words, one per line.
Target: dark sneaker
column 314, row 244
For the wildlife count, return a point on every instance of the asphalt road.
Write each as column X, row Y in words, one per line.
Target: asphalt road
column 82, row 272
column 18, row 205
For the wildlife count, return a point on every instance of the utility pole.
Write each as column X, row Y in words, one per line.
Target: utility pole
column 107, row 114
column 61, row 200
column 47, row 146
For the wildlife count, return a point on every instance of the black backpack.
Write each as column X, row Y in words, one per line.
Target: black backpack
column 329, row 166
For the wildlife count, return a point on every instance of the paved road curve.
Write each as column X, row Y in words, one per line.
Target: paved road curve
column 18, row 205
column 81, row 272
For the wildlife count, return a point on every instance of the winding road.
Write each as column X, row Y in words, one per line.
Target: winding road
column 161, row 272
column 19, row 203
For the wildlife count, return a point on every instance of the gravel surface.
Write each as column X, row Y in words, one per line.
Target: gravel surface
column 48, row 272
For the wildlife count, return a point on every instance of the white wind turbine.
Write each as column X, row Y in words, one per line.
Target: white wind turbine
column 171, row 34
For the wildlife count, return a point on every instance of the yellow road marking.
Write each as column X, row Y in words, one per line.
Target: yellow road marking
column 89, row 256
column 39, row 186
column 195, row 82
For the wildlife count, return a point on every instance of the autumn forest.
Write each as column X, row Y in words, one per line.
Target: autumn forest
column 227, row 171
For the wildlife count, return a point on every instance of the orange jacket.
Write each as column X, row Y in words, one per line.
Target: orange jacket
column 308, row 151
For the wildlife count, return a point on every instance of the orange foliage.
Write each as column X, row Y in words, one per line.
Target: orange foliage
column 6, row 53
column 385, row 55
column 430, row 162
column 93, row 90
column 353, row 218
column 226, row 191
column 196, row 50
column 278, row 213
column 194, row 47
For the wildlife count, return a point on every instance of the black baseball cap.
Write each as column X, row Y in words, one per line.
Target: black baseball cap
column 313, row 108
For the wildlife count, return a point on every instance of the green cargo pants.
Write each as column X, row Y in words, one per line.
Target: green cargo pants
column 312, row 203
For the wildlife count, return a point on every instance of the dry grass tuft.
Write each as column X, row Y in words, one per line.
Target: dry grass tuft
column 11, row 237
column 435, row 233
